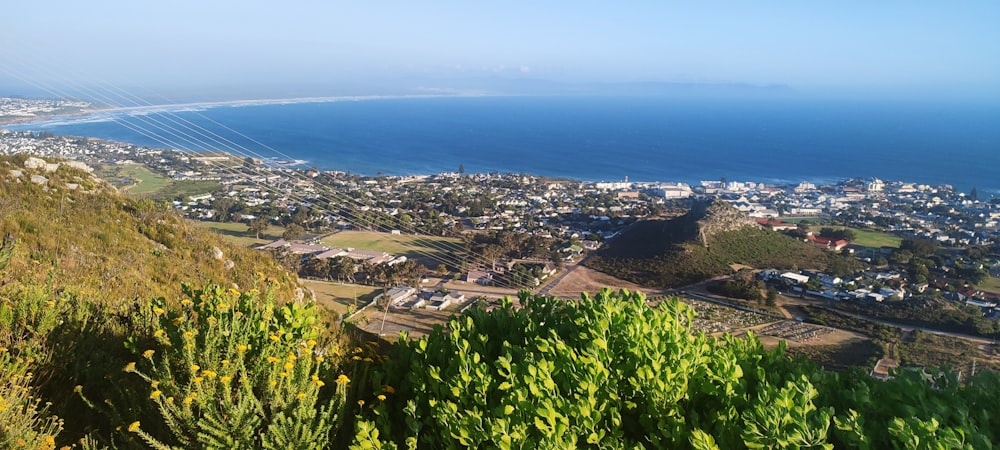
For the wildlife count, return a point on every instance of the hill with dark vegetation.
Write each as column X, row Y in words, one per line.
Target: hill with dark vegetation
column 705, row 243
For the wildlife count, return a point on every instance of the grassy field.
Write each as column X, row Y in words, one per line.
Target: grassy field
column 990, row 284
column 413, row 247
column 135, row 179
column 180, row 189
column 147, row 182
column 237, row 232
column 867, row 238
column 339, row 297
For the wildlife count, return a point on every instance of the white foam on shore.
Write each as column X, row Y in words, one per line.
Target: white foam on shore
column 109, row 114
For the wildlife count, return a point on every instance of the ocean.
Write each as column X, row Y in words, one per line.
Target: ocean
column 592, row 138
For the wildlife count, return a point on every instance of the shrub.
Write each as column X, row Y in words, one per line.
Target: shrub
column 234, row 370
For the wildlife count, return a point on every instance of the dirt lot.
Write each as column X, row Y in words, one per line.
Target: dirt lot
column 583, row 279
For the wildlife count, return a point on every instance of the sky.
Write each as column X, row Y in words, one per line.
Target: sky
column 906, row 46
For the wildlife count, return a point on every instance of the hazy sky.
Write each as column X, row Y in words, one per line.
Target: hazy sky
column 804, row 44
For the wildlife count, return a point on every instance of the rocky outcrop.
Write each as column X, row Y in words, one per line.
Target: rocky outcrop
column 716, row 217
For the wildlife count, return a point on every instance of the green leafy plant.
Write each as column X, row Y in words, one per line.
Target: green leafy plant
column 234, row 370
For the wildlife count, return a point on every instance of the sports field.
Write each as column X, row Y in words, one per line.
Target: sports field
column 236, row 232
column 867, row 238
column 429, row 249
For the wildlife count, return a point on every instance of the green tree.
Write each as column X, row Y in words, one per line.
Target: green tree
column 293, row 231
column 772, row 296
column 257, row 226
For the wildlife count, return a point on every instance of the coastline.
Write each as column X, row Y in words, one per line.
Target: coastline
column 195, row 106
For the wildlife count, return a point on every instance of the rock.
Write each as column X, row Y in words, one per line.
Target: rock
column 80, row 165
column 34, row 163
column 16, row 173
column 72, row 186
column 217, row 253
column 229, row 264
column 38, row 179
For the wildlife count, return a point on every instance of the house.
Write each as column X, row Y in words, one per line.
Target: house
column 440, row 301
column 776, row 224
column 827, row 243
column 397, row 295
column 795, row 278
column 479, row 276
column 298, row 249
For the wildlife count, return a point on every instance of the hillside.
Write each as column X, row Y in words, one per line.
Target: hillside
column 76, row 232
column 702, row 244
column 81, row 269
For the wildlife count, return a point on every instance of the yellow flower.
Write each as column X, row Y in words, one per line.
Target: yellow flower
column 368, row 360
column 223, row 307
column 288, row 366
column 272, row 383
column 274, row 338
column 319, row 359
column 212, row 320
column 154, row 384
column 155, row 394
column 292, row 357
column 177, row 321
column 130, row 367
column 158, row 310
column 272, row 360
column 283, row 374
column 300, row 396
column 159, row 333
column 319, row 383
column 186, row 302
column 342, row 379
column 381, row 397
column 197, row 379
column 361, row 403
column 356, row 358
column 209, row 374
column 241, row 348
column 225, row 379
column 148, row 354
column 225, row 362
column 311, row 343
column 133, row 427
column 358, row 350
column 188, row 400
column 195, row 367
column 389, row 389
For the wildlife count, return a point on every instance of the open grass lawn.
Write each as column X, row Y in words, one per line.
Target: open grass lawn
column 147, row 182
column 339, row 297
column 135, row 179
column 875, row 239
column 990, row 284
column 411, row 246
column 177, row 190
column 236, row 232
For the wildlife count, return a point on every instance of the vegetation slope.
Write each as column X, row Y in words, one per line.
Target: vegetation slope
column 79, row 266
column 101, row 346
column 702, row 244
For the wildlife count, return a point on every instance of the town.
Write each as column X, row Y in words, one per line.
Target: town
column 495, row 234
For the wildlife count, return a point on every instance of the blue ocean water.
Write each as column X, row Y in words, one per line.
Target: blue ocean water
column 600, row 138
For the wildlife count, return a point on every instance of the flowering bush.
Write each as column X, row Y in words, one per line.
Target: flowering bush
column 234, row 370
